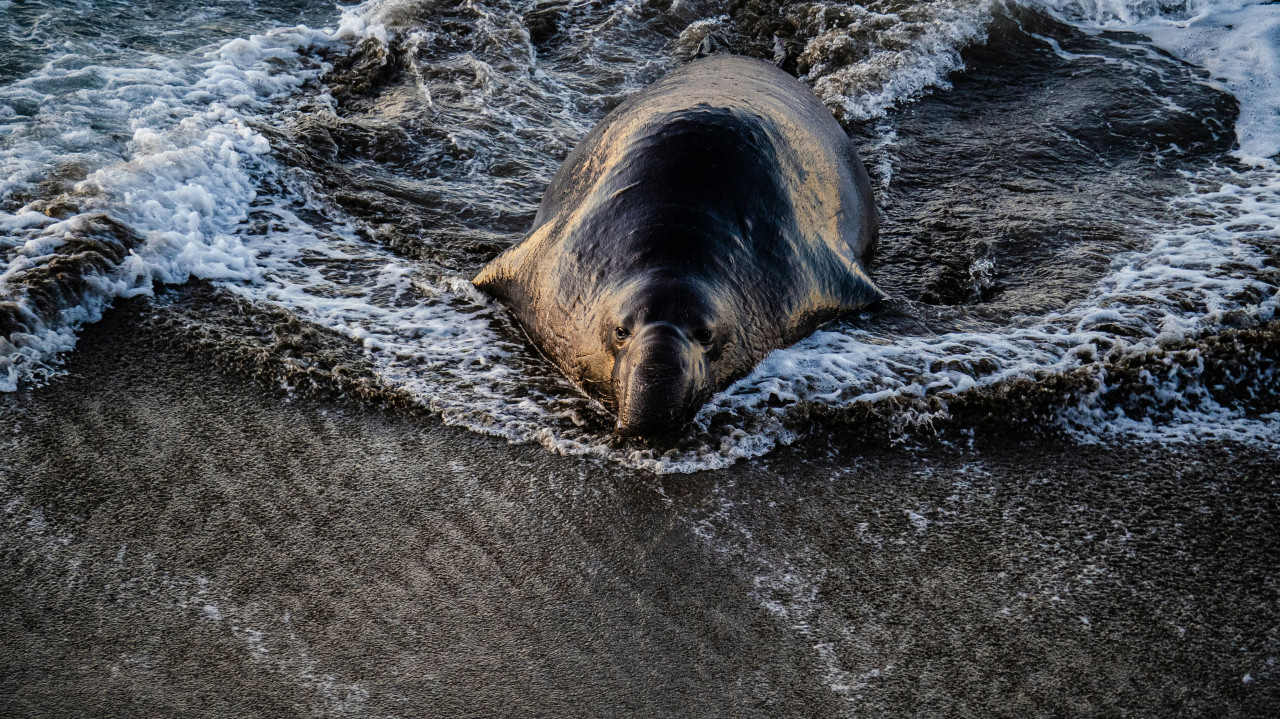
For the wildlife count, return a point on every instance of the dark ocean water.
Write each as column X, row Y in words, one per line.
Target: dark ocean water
column 1081, row 218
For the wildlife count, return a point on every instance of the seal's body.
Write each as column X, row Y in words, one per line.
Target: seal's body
column 708, row 220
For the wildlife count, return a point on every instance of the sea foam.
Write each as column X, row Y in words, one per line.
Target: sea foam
column 181, row 183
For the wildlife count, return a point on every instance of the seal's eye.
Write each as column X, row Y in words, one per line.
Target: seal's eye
column 621, row 333
column 702, row 336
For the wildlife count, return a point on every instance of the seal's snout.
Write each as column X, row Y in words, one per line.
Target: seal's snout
column 660, row 381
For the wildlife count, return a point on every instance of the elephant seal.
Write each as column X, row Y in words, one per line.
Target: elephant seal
column 709, row 219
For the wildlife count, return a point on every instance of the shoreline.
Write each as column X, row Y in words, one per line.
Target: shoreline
column 178, row 540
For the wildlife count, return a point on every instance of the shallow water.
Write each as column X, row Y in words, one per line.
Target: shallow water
column 1080, row 222
column 175, row 540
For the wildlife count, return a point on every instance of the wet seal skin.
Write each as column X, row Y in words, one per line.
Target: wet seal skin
column 718, row 215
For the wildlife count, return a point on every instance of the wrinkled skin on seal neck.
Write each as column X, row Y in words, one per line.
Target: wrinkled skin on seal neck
column 707, row 221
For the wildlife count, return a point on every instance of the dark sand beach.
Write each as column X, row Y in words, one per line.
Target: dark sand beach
column 180, row 540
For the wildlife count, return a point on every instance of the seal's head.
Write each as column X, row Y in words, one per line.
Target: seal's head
column 664, row 338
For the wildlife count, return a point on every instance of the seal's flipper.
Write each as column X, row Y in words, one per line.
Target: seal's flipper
column 858, row 291
column 504, row 276
column 495, row 276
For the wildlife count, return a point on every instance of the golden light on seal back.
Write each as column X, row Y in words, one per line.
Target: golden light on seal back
column 717, row 215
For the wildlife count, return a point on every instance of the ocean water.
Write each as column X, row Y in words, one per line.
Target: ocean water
column 1080, row 200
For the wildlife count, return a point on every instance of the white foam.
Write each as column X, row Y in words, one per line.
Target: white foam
column 1237, row 42
column 1185, row 284
column 183, row 182
column 908, row 54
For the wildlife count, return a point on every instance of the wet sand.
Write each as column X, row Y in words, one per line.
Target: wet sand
column 180, row 540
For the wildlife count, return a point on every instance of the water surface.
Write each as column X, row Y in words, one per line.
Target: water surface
column 1080, row 209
